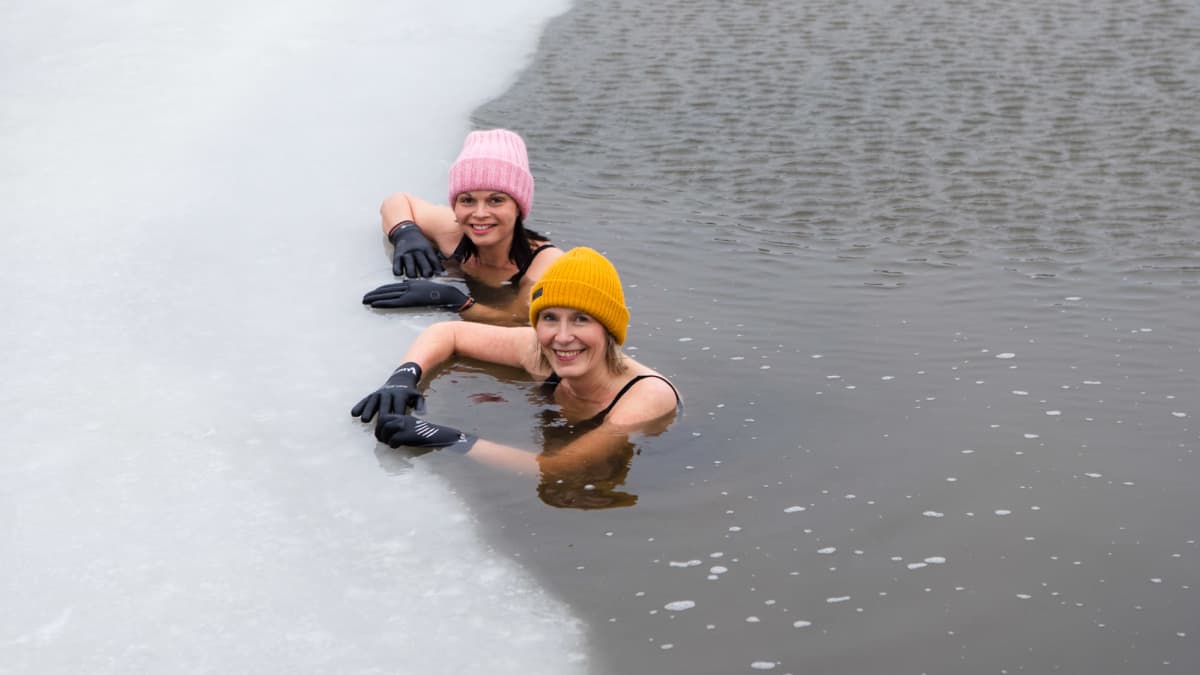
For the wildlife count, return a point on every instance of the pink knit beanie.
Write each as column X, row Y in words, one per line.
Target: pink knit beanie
column 493, row 160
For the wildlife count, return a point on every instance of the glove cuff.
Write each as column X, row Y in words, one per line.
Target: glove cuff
column 463, row 445
column 397, row 227
column 409, row 369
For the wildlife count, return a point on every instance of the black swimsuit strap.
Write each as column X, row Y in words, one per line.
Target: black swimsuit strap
column 516, row 278
column 604, row 413
column 551, row 382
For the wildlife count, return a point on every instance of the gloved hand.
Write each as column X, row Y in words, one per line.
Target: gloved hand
column 413, row 255
column 414, row 432
column 396, row 395
column 418, row 293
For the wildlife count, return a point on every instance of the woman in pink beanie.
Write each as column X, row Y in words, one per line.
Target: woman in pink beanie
column 482, row 233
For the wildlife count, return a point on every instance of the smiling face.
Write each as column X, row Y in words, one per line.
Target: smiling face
column 488, row 217
column 572, row 341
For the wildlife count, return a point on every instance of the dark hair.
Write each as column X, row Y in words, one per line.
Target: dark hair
column 519, row 252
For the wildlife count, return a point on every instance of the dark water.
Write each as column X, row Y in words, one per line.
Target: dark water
column 927, row 275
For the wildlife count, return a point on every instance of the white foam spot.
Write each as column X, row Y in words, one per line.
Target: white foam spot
column 916, row 565
column 752, row 619
column 717, row 569
column 840, row 598
column 1054, row 413
column 935, row 560
column 1006, row 355
column 689, row 563
column 1031, row 436
column 827, row 550
column 1179, row 414
column 679, row 605
column 1019, row 392
column 933, row 514
column 887, row 377
column 1024, row 596
column 1094, row 475
column 1003, row 512
column 794, row 509
column 802, row 624
column 763, row 665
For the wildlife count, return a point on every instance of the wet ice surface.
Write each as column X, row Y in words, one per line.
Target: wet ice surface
column 188, row 198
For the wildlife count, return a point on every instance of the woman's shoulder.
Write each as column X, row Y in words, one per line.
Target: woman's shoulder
column 543, row 255
column 649, row 396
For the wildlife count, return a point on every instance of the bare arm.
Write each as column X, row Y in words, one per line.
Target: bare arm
column 503, row 345
column 436, row 221
column 589, row 456
column 497, row 316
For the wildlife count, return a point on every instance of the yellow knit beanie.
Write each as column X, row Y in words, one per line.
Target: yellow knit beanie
column 585, row 280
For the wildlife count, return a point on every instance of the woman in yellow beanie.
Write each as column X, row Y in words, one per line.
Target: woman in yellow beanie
column 579, row 320
column 482, row 233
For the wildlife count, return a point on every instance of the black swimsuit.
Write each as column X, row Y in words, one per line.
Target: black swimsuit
column 516, row 278
column 552, row 382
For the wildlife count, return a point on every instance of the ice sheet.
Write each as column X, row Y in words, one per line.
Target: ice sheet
column 188, row 199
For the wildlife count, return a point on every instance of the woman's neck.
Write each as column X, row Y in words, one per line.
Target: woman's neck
column 596, row 387
column 495, row 255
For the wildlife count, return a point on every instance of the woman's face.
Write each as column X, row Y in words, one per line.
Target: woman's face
column 572, row 340
column 486, row 216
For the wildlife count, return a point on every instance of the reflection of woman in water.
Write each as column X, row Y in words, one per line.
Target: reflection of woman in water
column 482, row 233
column 578, row 316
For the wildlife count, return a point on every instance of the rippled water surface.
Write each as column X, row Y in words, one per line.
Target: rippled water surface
column 927, row 275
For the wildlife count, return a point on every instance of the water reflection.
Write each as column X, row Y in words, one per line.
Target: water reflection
column 576, row 464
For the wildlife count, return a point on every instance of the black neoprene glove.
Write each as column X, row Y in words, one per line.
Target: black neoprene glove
column 414, row 432
column 396, row 395
column 413, row 255
column 418, row 293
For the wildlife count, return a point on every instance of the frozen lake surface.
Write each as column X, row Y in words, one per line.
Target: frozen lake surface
column 188, row 206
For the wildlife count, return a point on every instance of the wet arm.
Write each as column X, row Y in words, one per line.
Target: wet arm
column 503, row 345
column 497, row 316
column 585, row 455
